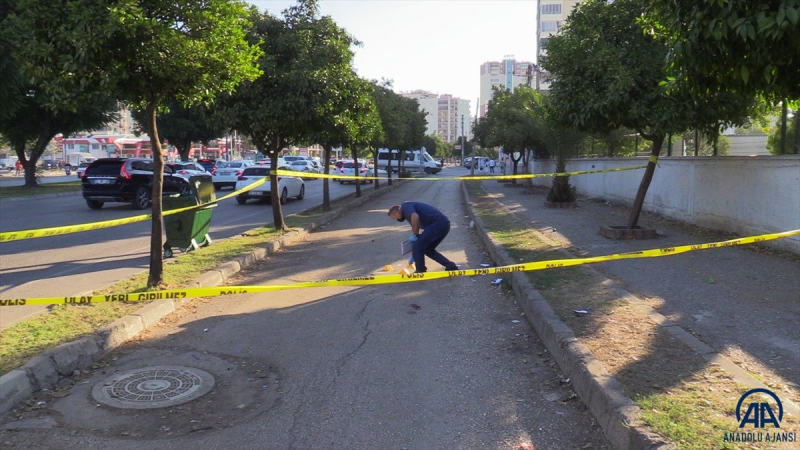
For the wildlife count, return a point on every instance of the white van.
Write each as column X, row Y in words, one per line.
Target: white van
column 415, row 160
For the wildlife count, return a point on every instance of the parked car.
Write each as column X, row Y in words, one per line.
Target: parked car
column 302, row 166
column 187, row 169
column 317, row 166
column 349, row 169
column 82, row 169
column 126, row 180
column 288, row 186
column 228, row 172
column 207, row 164
column 293, row 158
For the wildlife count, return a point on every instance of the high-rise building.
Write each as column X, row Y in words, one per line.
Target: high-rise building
column 444, row 114
column 551, row 16
column 508, row 73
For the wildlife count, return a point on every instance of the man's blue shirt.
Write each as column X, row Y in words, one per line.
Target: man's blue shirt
column 427, row 213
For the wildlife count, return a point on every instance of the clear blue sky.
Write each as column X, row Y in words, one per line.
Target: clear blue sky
column 435, row 45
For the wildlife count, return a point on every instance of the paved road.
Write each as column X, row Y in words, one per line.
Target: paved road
column 440, row 364
column 76, row 263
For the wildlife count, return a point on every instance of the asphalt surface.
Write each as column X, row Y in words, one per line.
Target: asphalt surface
column 434, row 364
column 73, row 264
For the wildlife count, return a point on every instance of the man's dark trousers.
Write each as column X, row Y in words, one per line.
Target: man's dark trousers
column 426, row 245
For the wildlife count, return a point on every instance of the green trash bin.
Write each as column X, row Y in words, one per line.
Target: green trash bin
column 188, row 230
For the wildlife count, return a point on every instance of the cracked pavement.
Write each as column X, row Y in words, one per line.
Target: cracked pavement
column 446, row 363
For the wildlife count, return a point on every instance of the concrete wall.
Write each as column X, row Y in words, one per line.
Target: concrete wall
column 744, row 195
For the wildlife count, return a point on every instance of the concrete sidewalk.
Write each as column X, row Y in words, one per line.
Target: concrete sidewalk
column 742, row 302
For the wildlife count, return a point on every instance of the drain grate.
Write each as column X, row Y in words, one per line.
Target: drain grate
column 153, row 387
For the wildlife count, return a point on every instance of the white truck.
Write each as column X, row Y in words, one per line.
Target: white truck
column 74, row 160
column 414, row 160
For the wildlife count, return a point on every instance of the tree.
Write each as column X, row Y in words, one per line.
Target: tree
column 32, row 127
column 514, row 121
column 401, row 120
column 606, row 72
column 303, row 55
column 11, row 79
column 25, row 121
column 792, row 141
column 145, row 52
column 743, row 46
column 437, row 146
column 181, row 125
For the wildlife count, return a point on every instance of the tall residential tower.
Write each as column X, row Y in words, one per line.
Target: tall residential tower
column 508, row 73
column 551, row 16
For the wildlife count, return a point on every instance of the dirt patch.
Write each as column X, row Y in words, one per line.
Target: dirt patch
column 682, row 396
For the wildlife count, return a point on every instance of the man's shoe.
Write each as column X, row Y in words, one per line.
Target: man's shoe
column 451, row 267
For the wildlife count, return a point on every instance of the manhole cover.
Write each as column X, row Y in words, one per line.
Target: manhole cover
column 153, row 387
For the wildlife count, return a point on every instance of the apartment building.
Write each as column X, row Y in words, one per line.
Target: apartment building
column 551, row 16
column 444, row 114
column 508, row 73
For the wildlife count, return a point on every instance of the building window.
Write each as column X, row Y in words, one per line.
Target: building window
column 551, row 9
column 543, row 42
column 551, row 26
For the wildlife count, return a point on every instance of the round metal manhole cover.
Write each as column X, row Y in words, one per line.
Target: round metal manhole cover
column 153, row 387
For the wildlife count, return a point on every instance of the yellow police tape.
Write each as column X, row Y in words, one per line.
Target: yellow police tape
column 522, row 176
column 387, row 279
column 9, row 236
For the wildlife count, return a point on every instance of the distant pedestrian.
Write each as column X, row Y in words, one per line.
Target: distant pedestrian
column 18, row 166
column 429, row 227
column 492, row 163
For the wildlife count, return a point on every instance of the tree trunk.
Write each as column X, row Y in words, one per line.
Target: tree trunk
column 784, row 113
column 633, row 219
column 277, row 210
column 389, row 168
column 326, row 192
column 375, row 168
column 796, row 132
column 156, row 276
column 516, row 162
column 354, row 152
column 184, row 149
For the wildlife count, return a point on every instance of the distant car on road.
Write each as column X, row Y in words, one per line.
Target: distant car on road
column 82, row 169
column 302, row 166
column 187, row 169
column 348, row 168
column 207, row 164
column 288, row 186
column 228, row 173
column 126, row 180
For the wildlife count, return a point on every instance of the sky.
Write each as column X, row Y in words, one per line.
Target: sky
column 433, row 45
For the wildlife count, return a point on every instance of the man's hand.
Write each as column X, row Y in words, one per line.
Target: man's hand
column 412, row 238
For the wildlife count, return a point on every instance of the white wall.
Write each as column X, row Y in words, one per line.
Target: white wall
column 744, row 195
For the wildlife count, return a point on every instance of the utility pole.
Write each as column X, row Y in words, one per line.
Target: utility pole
column 462, row 139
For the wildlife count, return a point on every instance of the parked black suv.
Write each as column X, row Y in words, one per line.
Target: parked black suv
column 126, row 180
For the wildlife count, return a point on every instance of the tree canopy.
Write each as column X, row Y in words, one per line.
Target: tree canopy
column 743, row 46
column 141, row 51
column 608, row 72
column 182, row 125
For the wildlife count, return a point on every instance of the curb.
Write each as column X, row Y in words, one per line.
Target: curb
column 44, row 370
column 600, row 391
